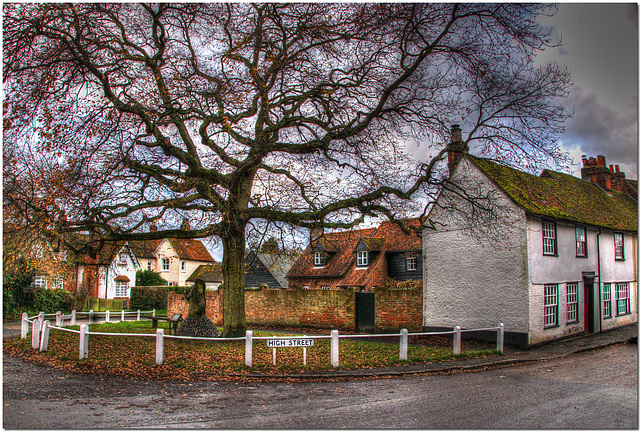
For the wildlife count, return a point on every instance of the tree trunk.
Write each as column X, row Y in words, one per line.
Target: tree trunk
column 235, row 322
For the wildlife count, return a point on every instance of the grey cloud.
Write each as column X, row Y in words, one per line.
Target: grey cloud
column 598, row 129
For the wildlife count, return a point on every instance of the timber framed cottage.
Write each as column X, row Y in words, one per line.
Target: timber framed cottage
column 556, row 256
column 361, row 259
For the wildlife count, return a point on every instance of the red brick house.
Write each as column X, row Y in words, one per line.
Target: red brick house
column 363, row 259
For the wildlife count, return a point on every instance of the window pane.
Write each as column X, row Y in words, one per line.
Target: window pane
column 618, row 240
column 550, row 305
column 606, row 300
column 572, row 302
column 549, row 238
column 581, row 241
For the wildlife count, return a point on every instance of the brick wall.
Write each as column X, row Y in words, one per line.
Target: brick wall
column 330, row 309
column 398, row 309
column 176, row 303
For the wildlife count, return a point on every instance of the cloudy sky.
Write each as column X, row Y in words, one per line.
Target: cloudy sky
column 600, row 47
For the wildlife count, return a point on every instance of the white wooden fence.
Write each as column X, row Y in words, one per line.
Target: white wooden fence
column 41, row 328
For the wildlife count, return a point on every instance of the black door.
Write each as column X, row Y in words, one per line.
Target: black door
column 365, row 312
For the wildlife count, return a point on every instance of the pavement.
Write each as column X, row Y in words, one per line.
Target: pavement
column 512, row 355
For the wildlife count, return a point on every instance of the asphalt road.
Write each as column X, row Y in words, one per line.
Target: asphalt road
column 597, row 389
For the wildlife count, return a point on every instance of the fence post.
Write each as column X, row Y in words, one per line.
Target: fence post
column 138, row 316
column 106, row 316
column 159, row 346
column 41, row 318
column 84, row 341
column 457, row 340
column 24, row 328
column 404, row 344
column 90, row 316
column 73, row 318
column 248, row 349
column 35, row 337
column 122, row 315
column 500, row 343
column 153, row 313
column 44, row 338
column 335, row 348
column 58, row 318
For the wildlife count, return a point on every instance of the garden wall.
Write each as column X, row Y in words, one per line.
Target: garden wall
column 330, row 309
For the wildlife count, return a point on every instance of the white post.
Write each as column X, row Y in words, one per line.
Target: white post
column 73, row 318
column 24, row 328
column 138, row 316
column 106, row 316
column 335, row 348
column 500, row 346
column 122, row 316
column 90, row 316
column 84, row 341
column 248, row 349
column 41, row 318
column 274, row 356
column 457, row 340
column 35, row 337
column 404, row 344
column 304, row 353
column 159, row 346
column 58, row 318
column 44, row 338
column 153, row 313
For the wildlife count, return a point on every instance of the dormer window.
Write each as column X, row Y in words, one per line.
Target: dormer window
column 122, row 259
column 412, row 261
column 362, row 258
column 319, row 259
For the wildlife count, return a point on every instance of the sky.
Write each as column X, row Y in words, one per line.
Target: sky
column 600, row 48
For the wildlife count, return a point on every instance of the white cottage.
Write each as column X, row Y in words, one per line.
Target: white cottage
column 111, row 274
column 549, row 256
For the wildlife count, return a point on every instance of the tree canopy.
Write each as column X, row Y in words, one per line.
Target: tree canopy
column 121, row 115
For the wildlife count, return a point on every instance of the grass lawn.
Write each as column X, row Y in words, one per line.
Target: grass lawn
column 134, row 356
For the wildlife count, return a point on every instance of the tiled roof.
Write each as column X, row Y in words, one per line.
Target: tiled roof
column 189, row 249
column 385, row 238
column 106, row 254
column 207, row 273
column 563, row 197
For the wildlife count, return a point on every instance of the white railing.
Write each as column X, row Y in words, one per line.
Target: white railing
column 41, row 329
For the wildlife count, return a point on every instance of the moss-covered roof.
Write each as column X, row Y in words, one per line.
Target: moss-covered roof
column 563, row 197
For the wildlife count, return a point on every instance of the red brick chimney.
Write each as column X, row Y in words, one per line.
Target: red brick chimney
column 608, row 178
column 455, row 148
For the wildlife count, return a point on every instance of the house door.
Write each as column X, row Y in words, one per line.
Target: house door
column 365, row 312
column 589, row 305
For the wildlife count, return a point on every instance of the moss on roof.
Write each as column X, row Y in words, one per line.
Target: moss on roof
column 563, row 197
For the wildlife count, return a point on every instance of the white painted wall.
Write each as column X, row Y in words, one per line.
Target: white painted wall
column 108, row 274
column 475, row 270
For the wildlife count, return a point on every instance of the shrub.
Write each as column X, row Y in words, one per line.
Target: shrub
column 149, row 278
column 52, row 300
column 391, row 284
column 148, row 298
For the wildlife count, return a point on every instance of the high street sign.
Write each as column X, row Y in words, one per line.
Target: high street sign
column 290, row 342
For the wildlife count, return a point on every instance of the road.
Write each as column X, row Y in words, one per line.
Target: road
column 597, row 389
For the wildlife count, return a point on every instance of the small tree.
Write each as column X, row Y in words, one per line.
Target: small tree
column 149, row 278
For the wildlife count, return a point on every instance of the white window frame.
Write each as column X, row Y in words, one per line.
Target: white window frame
column 122, row 259
column 362, row 258
column 550, row 305
column 623, row 305
column 318, row 259
column 325, row 288
column 165, row 264
column 618, row 244
column 122, row 288
column 305, row 287
column 606, row 301
column 572, row 303
column 40, row 281
column 183, row 266
column 412, row 261
column 149, row 266
column 549, row 239
column 581, row 241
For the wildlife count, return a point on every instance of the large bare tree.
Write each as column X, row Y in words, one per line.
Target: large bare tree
column 225, row 114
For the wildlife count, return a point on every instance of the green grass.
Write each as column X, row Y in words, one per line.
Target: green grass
column 191, row 359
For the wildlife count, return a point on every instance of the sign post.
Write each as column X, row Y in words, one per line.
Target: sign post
column 291, row 342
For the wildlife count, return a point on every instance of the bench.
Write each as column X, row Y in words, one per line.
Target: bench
column 173, row 321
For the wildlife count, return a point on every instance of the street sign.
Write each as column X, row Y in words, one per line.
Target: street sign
column 290, row 342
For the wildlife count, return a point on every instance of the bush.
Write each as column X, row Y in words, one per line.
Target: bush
column 52, row 300
column 148, row 298
column 149, row 278
column 177, row 289
column 392, row 284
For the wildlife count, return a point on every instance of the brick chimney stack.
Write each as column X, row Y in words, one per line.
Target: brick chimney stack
column 608, row 178
column 455, row 148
